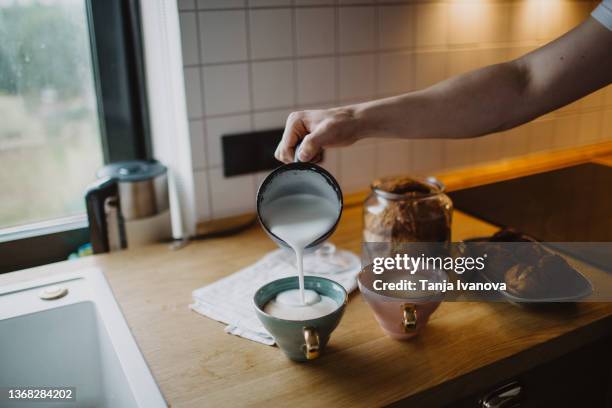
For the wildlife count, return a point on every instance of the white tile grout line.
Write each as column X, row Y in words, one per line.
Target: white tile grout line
column 338, row 174
column 294, row 52
column 442, row 151
column 439, row 48
column 370, row 3
column 204, row 128
column 247, row 16
column 377, row 41
column 564, row 112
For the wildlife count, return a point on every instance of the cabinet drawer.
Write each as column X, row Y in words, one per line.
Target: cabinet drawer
column 582, row 378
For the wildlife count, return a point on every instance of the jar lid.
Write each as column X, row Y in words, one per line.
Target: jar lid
column 398, row 187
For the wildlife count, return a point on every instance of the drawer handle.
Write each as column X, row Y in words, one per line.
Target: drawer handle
column 507, row 396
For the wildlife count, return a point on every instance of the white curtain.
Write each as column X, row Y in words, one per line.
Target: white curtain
column 167, row 108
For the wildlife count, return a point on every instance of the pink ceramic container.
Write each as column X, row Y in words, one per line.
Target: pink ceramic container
column 400, row 318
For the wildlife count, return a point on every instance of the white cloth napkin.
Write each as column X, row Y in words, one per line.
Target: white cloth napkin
column 230, row 300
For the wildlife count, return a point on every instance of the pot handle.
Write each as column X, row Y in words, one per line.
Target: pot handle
column 311, row 343
column 95, row 199
column 409, row 317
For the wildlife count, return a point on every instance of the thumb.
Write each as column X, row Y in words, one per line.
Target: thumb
column 312, row 145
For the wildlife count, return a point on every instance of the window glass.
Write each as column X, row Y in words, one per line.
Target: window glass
column 50, row 145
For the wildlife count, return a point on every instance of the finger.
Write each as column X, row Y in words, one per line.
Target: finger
column 313, row 144
column 293, row 133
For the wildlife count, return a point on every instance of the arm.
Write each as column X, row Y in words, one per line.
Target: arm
column 483, row 101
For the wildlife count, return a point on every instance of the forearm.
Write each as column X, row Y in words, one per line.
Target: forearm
column 472, row 104
column 501, row 96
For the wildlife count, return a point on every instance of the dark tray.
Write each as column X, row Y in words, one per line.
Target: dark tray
column 582, row 287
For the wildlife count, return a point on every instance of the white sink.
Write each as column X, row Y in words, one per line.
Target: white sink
column 79, row 340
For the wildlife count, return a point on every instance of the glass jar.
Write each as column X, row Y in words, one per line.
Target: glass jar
column 407, row 209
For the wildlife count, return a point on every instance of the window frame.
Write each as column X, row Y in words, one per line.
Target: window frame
column 117, row 58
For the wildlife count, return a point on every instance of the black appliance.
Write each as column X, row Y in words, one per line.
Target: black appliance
column 572, row 204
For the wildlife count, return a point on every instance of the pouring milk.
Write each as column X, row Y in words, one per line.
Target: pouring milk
column 300, row 219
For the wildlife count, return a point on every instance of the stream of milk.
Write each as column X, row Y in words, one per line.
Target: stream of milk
column 300, row 219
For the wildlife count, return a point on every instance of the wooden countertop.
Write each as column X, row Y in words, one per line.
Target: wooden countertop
column 465, row 346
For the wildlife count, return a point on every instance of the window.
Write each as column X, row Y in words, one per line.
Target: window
column 50, row 145
column 71, row 99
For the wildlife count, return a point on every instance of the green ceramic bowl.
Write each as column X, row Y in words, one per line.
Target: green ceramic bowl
column 301, row 340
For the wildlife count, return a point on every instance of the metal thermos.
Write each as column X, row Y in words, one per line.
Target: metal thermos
column 128, row 205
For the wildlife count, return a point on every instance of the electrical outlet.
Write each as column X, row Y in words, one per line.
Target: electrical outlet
column 250, row 152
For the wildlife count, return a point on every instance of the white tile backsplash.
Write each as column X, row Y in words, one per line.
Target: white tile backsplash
column 226, row 89
column 496, row 23
column 524, row 17
column 271, row 33
column 461, row 61
column 189, row 38
column 517, row 140
column 396, row 72
column 231, row 195
column 313, row 2
column 430, row 68
column 198, row 149
column 186, row 4
column 331, row 162
column 426, row 156
column 315, row 30
column 270, row 119
column 269, row 3
column 193, row 93
column 590, row 127
column 273, row 84
column 517, row 50
column 357, row 166
column 316, row 80
column 607, row 96
column 357, row 76
column 357, row 29
column 396, row 26
column 542, row 135
column 393, row 158
column 431, row 24
column 606, row 125
column 223, row 36
column 489, row 148
column 458, row 153
column 220, row 4
column 249, row 63
column 202, row 195
column 490, row 56
column 549, row 27
column 465, row 22
column 216, row 128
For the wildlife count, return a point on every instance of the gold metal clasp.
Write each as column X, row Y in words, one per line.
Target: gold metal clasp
column 409, row 321
column 311, row 343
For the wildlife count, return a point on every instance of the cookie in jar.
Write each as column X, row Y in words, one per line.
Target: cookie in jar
column 407, row 209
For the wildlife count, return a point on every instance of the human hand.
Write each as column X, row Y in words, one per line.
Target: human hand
column 314, row 130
